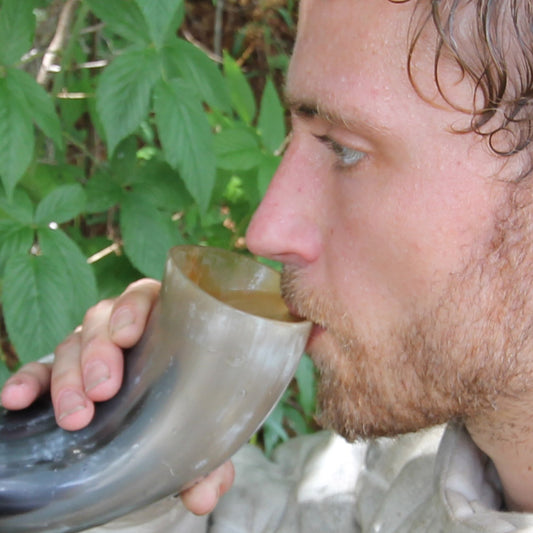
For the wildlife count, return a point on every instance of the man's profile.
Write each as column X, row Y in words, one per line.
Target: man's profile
column 402, row 212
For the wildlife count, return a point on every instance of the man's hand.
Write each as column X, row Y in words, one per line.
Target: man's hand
column 88, row 368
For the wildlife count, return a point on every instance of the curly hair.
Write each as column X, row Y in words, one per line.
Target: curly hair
column 492, row 42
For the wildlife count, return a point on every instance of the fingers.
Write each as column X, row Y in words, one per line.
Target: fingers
column 108, row 328
column 23, row 388
column 89, row 364
column 87, row 368
column 202, row 498
column 131, row 312
column 100, row 362
column 72, row 408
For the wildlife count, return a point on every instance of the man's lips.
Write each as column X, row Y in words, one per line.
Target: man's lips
column 293, row 311
column 316, row 330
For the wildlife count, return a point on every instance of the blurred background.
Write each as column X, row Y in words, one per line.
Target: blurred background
column 128, row 127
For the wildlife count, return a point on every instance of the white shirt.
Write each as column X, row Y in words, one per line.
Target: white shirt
column 427, row 482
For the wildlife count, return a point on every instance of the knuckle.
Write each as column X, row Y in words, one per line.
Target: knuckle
column 68, row 344
column 99, row 348
column 61, row 376
column 32, row 368
column 94, row 312
column 144, row 286
column 95, row 345
column 140, row 283
column 66, row 376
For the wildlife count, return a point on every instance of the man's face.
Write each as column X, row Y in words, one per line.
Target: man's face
column 386, row 221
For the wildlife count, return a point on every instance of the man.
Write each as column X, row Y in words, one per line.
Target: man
column 402, row 213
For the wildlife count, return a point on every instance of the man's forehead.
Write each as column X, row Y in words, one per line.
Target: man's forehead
column 349, row 43
column 345, row 69
column 350, row 64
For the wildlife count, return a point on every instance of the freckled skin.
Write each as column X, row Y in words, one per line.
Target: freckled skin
column 375, row 248
column 414, row 261
column 406, row 243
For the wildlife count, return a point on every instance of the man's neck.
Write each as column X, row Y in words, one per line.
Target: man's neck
column 510, row 446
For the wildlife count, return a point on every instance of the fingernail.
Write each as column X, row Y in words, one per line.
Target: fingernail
column 70, row 402
column 5, row 388
column 121, row 319
column 95, row 373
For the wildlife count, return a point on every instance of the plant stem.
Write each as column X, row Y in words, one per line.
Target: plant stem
column 217, row 40
column 58, row 41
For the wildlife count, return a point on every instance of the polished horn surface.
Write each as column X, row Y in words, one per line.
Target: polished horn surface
column 200, row 382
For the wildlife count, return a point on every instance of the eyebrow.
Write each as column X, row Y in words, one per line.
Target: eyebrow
column 310, row 110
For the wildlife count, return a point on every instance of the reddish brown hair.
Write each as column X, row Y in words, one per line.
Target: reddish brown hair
column 492, row 42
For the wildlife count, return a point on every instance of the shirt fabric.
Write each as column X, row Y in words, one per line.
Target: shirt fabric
column 431, row 481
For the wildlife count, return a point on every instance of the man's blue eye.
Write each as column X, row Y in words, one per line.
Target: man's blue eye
column 346, row 156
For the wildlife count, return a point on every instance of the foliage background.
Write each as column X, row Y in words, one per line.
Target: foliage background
column 127, row 127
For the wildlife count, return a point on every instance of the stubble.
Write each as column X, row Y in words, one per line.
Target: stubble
column 457, row 358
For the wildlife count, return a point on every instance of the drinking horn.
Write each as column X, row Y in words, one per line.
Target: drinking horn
column 196, row 387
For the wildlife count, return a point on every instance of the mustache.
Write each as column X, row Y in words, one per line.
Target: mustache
column 291, row 292
column 301, row 299
column 308, row 301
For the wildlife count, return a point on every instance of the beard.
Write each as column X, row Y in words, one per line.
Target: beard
column 455, row 358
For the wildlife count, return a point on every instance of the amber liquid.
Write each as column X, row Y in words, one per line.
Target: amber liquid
column 259, row 303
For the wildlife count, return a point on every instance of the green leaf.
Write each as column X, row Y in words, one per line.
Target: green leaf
column 17, row 139
column 15, row 238
column 186, row 138
column 271, row 121
column 163, row 17
column 295, row 420
column 124, row 161
column 122, row 17
column 42, row 178
column 38, row 102
column 273, row 430
column 267, row 168
column 5, row 374
column 162, row 187
column 17, row 25
column 123, row 94
column 234, row 190
column 19, row 207
column 306, row 379
column 147, row 233
column 187, row 61
column 72, row 109
column 241, row 94
column 78, row 276
column 113, row 273
column 237, row 149
column 102, row 193
column 61, row 205
column 36, row 309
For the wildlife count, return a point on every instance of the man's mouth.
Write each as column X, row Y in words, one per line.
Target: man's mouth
column 293, row 311
column 316, row 330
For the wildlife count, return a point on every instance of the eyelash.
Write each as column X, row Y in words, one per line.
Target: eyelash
column 347, row 157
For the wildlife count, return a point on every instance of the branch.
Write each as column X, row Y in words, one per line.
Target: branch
column 65, row 19
column 191, row 39
column 217, row 40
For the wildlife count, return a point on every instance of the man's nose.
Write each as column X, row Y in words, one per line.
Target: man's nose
column 286, row 225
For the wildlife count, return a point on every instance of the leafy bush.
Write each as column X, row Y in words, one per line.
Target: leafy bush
column 130, row 141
